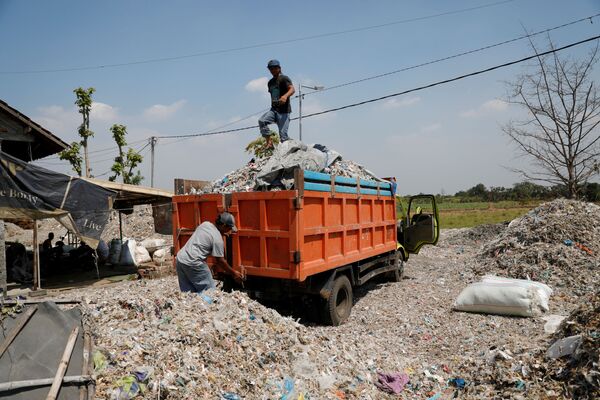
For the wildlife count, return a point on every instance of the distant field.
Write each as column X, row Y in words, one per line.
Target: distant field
column 465, row 215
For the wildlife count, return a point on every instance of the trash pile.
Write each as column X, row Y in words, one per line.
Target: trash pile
column 276, row 172
column 568, row 366
column 556, row 243
column 214, row 345
column 578, row 368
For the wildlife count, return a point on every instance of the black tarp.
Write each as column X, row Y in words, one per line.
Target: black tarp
column 29, row 191
column 36, row 352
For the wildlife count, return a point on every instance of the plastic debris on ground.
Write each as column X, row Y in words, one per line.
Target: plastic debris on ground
column 202, row 350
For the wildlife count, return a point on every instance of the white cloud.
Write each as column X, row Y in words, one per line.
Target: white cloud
column 163, row 112
column 103, row 112
column 257, row 85
column 495, row 105
column 400, row 102
column 58, row 120
column 431, row 128
column 490, row 106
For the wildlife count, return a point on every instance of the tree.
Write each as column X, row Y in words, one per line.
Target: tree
column 479, row 191
column 260, row 148
column 72, row 154
column 561, row 133
column 84, row 102
column 125, row 163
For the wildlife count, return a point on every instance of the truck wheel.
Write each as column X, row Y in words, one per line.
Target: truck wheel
column 397, row 274
column 339, row 304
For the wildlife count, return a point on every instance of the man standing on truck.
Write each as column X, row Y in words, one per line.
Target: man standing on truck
column 207, row 240
column 281, row 89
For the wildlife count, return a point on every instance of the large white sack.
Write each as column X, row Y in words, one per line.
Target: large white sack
column 160, row 256
column 142, row 255
column 499, row 298
column 544, row 290
column 128, row 253
column 153, row 244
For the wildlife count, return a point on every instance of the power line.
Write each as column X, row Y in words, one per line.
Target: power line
column 479, row 72
column 266, row 44
column 482, row 71
column 97, row 151
column 527, row 36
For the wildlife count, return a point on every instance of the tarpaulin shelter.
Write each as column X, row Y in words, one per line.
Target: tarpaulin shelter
column 30, row 191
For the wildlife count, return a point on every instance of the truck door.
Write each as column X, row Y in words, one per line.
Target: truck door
column 422, row 224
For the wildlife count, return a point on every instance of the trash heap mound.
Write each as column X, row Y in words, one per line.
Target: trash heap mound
column 276, row 172
column 214, row 345
column 579, row 372
column 557, row 243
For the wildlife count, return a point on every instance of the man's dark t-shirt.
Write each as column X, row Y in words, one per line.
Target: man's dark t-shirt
column 278, row 87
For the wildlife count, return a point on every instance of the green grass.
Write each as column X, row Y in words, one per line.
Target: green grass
column 472, row 217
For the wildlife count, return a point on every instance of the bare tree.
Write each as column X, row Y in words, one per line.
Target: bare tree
column 561, row 133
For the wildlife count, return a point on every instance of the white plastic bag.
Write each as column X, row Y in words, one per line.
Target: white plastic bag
column 153, row 244
column 544, row 291
column 499, row 298
column 160, row 256
column 142, row 255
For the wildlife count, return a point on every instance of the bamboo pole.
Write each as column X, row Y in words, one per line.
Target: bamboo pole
column 16, row 329
column 8, row 386
column 87, row 347
column 62, row 366
column 36, row 257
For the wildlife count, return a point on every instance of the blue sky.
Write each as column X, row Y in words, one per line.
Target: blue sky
column 445, row 138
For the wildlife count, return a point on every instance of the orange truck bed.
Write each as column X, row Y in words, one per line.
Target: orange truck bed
column 324, row 223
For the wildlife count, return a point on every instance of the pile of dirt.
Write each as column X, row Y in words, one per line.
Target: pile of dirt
column 557, row 243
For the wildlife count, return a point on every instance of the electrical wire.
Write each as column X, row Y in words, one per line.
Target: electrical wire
column 259, row 45
column 527, row 36
column 479, row 72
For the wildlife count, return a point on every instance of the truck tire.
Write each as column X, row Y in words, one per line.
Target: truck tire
column 338, row 306
column 397, row 274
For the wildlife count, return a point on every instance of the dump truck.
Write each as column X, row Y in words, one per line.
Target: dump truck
column 318, row 241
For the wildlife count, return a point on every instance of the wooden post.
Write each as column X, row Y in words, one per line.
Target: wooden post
column 3, row 270
column 120, row 227
column 36, row 258
column 62, row 366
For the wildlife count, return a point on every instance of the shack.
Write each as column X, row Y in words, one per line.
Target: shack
column 26, row 140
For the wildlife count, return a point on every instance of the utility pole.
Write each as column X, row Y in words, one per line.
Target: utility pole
column 153, row 141
column 300, row 98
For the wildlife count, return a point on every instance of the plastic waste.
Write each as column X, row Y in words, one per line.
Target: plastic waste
column 288, row 389
column 100, row 361
column 459, row 383
column 230, row 396
column 127, row 388
column 142, row 255
column 564, row 347
column 393, row 382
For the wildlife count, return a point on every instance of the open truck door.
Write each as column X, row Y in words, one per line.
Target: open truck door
column 421, row 225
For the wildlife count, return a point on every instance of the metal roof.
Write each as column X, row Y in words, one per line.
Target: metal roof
column 24, row 138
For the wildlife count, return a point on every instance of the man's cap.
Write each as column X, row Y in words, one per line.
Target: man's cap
column 227, row 219
column 273, row 63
